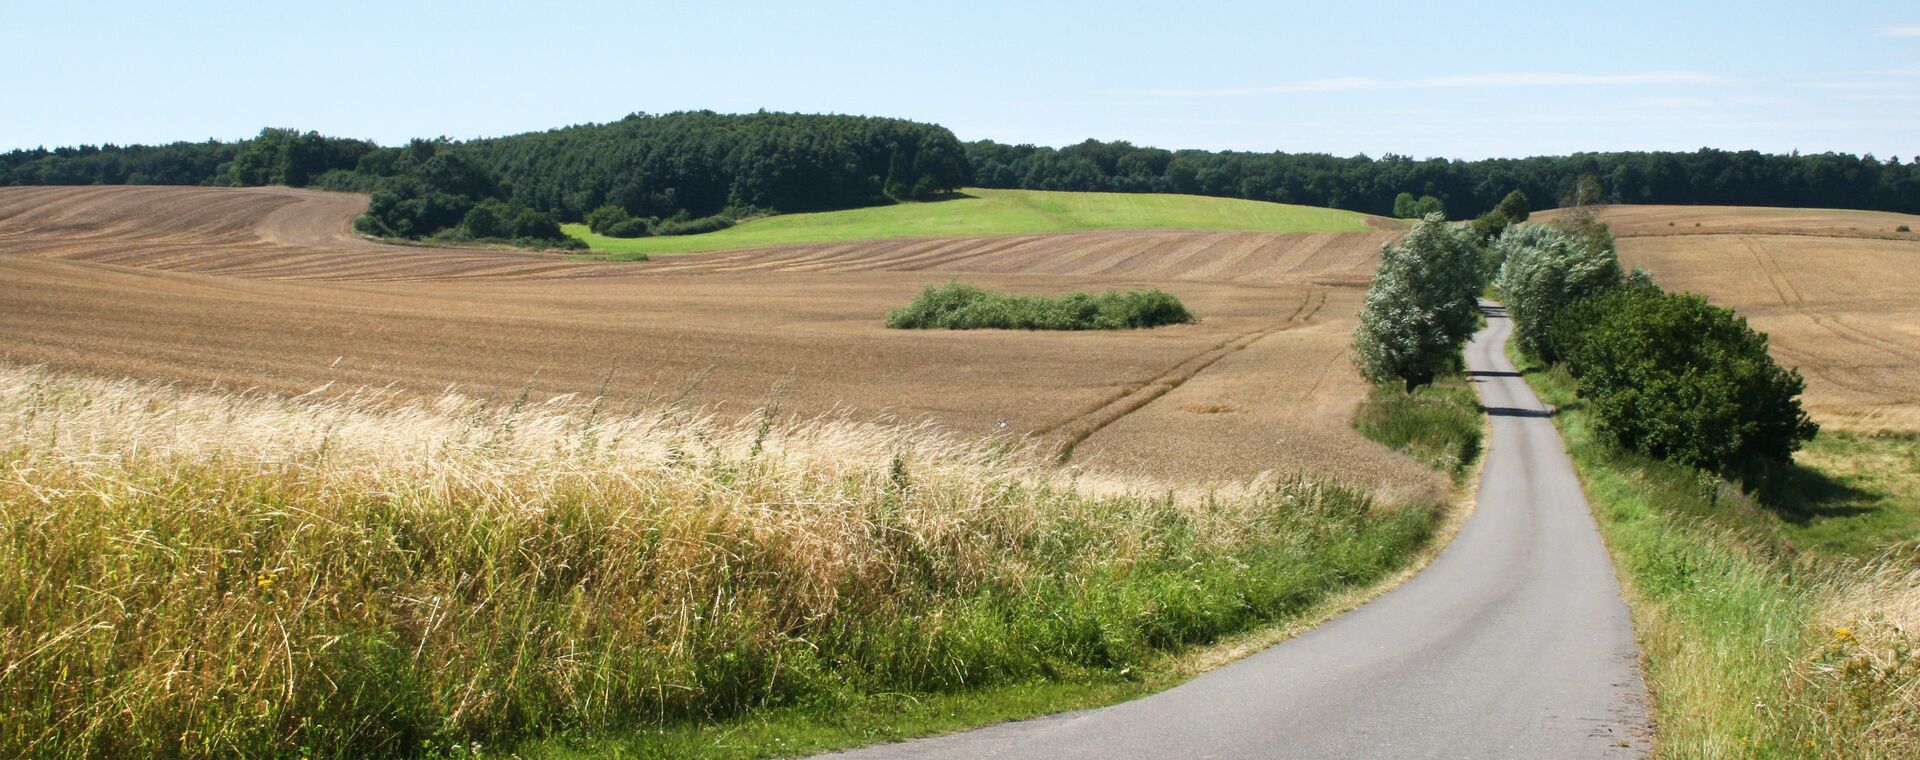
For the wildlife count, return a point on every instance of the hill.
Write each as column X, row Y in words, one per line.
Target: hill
column 997, row 212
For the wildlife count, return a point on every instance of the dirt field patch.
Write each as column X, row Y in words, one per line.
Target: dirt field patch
column 265, row 288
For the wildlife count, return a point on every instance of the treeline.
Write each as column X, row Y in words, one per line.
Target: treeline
column 679, row 173
column 274, row 157
column 690, row 172
column 1464, row 188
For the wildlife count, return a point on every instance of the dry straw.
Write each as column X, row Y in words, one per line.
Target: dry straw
column 352, row 573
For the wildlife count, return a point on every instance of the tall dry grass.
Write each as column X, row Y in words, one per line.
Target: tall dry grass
column 197, row 574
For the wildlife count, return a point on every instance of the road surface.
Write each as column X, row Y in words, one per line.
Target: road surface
column 1513, row 643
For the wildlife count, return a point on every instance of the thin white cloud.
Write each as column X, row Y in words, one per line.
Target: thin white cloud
column 1909, row 30
column 1460, row 81
column 1861, row 85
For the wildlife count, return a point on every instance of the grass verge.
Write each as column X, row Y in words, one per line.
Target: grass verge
column 1438, row 424
column 977, row 211
column 1767, row 628
column 958, row 306
column 191, row 574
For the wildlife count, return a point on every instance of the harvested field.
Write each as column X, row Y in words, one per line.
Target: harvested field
column 1838, row 291
column 266, row 288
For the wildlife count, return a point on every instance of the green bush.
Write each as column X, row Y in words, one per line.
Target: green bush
column 601, row 219
column 699, row 226
column 1677, row 378
column 958, row 306
column 632, row 227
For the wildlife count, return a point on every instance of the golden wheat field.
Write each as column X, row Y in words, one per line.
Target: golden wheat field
column 1838, row 291
column 266, row 289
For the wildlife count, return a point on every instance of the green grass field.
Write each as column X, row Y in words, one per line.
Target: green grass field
column 994, row 212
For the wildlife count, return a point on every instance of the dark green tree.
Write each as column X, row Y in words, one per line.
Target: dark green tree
column 1405, row 206
column 1680, row 379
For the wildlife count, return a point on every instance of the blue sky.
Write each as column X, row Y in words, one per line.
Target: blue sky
column 1418, row 78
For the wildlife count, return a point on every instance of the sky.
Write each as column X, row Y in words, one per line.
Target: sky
column 1425, row 79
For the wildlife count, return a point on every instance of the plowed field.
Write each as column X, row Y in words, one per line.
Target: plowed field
column 266, row 288
column 1838, row 291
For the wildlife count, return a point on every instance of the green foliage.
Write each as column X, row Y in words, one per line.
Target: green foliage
column 957, row 306
column 1422, row 305
column 1515, row 207
column 704, row 164
column 1586, row 191
column 604, row 217
column 684, row 161
column 1428, row 206
column 1469, row 188
column 1544, row 272
column 436, row 189
column 1489, row 226
column 1439, row 425
column 1903, row 228
column 700, row 226
column 1511, row 210
column 287, row 157
column 1679, row 379
column 486, row 220
column 1405, row 206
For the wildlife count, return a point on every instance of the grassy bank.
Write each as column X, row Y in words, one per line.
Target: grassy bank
column 957, row 306
column 1440, row 424
column 189, row 574
column 977, row 211
column 1781, row 625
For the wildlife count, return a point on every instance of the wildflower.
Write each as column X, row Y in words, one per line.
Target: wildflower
column 1843, row 634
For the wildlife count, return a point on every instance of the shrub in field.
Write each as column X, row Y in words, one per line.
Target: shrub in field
column 1683, row 380
column 1422, row 305
column 198, row 575
column 958, row 306
column 699, row 226
column 1515, row 206
column 1404, row 206
column 604, row 217
column 1543, row 272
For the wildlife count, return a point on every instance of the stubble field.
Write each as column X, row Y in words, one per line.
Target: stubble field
column 264, row 288
column 1838, row 291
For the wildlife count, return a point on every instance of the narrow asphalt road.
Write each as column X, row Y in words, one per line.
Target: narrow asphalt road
column 1513, row 643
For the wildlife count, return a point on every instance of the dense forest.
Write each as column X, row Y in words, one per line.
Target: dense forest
column 692, row 172
column 672, row 174
column 1464, row 188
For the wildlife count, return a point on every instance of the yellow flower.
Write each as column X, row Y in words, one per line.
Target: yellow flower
column 265, row 581
column 1843, row 634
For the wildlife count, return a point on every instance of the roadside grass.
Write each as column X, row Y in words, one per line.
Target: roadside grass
column 1439, row 424
column 198, row 574
column 977, row 211
column 958, row 306
column 1765, row 632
